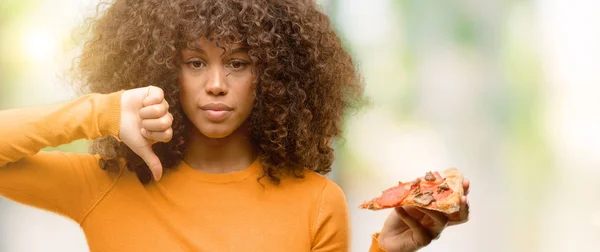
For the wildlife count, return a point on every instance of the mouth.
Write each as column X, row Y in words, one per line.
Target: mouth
column 216, row 111
column 216, row 107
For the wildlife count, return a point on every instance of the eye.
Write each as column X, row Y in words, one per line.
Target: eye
column 237, row 64
column 195, row 64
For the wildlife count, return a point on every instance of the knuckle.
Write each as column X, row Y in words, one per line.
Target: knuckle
column 160, row 93
column 165, row 123
column 147, row 134
column 143, row 113
column 159, row 110
column 168, row 135
column 425, row 241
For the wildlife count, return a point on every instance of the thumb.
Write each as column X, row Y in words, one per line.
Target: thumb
column 155, row 95
column 152, row 161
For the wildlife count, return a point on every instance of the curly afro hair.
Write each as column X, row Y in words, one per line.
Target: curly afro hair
column 305, row 78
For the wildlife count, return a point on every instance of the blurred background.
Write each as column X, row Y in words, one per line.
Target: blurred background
column 508, row 91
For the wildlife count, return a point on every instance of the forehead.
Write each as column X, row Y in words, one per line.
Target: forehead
column 204, row 43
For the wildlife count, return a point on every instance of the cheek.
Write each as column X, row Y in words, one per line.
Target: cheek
column 251, row 92
column 244, row 92
column 186, row 92
column 186, row 100
column 250, row 97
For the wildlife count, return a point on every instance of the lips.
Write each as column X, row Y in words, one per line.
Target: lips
column 216, row 112
column 216, row 107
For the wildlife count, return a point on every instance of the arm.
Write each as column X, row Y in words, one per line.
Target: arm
column 65, row 183
column 25, row 131
column 332, row 231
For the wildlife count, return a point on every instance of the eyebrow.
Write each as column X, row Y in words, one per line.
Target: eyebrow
column 239, row 50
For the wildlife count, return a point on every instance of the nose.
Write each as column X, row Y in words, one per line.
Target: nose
column 217, row 82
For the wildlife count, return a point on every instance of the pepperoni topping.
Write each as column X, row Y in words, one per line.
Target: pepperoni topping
column 444, row 194
column 426, row 191
column 390, row 198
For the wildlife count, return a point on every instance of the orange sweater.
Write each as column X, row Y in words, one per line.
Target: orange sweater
column 186, row 211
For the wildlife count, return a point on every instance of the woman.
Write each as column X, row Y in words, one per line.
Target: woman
column 212, row 122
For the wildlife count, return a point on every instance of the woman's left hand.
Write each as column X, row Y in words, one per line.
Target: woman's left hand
column 411, row 228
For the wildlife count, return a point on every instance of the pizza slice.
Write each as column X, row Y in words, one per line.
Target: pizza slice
column 438, row 191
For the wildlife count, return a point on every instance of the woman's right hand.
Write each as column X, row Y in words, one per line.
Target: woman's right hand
column 145, row 120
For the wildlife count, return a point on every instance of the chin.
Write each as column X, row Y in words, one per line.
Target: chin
column 216, row 135
column 216, row 132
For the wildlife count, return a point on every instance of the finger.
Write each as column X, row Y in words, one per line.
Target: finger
column 421, row 236
column 413, row 212
column 466, row 185
column 161, row 124
column 155, row 111
column 151, row 160
column 439, row 219
column 155, row 96
column 160, row 136
column 462, row 215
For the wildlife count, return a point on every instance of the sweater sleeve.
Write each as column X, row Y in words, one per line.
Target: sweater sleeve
column 332, row 227
column 65, row 183
column 375, row 246
column 332, row 230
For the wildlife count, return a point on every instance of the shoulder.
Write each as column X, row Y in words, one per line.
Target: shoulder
column 320, row 188
column 331, row 194
column 327, row 186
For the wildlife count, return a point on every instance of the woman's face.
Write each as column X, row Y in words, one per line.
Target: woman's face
column 217, row 87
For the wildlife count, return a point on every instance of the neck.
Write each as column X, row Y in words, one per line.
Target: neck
column 224, row 155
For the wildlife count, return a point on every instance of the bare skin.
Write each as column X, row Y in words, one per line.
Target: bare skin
column 218, row 76
column 145, row 120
